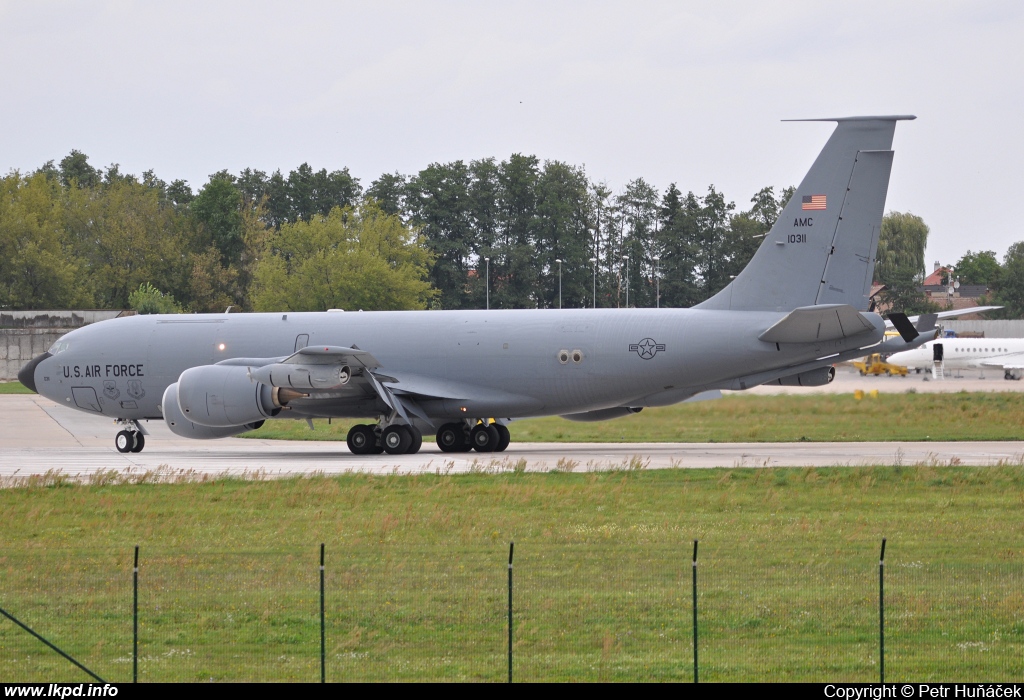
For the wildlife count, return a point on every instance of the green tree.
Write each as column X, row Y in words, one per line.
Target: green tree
column 314, row 193
column 389, row 191
column 38, row 270
column 562, row 231
column 484, row 218
column 1009, row 287
column 978, row 268
column 677, row 241
column 218, row 209
column 179, row 194
column 147, row 299
column 351, row 259
column 75, row 171
column 713, row 261
column 637, row 211
column 515, row 274
column 439, row 204
column 901, row 245
column 903, row 293
column 124, row 237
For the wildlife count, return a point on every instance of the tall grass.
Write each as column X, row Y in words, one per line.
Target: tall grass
column 416, row 569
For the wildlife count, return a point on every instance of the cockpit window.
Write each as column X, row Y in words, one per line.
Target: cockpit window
column 58, row 347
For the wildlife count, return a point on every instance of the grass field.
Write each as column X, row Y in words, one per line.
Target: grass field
column 13, row 388
column 417, row 565
column 784, row 418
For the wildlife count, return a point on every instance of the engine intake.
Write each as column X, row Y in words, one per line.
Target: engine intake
column 220, row 396
column 180, row 425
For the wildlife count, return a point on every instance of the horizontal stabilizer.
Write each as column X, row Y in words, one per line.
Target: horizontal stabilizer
column 926, row 323
column 812, row 324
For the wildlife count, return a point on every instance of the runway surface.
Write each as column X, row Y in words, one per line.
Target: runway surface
column 37, row 436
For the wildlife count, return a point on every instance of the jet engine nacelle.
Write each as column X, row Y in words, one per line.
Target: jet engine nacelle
column 815, row 377
column 180, row 425
column 220, row 396
column 303, row 376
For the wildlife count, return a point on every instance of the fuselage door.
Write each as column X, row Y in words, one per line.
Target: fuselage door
column 85, row 398
column 937, row 352
column 301, row 341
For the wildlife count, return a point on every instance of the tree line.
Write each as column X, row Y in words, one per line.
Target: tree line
column 516, row 233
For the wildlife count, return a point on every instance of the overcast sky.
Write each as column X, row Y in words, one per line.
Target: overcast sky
column 691, row 93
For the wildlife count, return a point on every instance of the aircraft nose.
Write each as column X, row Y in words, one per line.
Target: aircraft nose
column 27, row 375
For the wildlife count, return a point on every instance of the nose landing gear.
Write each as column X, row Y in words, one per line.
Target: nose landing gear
column 131, row 439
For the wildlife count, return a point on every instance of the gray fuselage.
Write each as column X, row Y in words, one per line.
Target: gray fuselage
column 507, row 364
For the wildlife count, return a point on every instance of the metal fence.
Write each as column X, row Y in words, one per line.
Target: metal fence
column 580, row 612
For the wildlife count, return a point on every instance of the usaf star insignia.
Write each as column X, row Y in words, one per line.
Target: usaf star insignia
column 647, row 348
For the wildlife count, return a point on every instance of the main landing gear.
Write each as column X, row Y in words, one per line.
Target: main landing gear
column 131, row 439
column 394, row 439
column 407, row 439
column 483, row 437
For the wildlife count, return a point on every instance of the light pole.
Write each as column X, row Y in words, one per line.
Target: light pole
column 625, row 261
column 949, row 286
column 559, row 261
column 488, row 283
column 594, row 293
column 657, row 282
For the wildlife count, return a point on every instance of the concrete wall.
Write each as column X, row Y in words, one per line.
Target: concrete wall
column 25, row 334
column 991, row 329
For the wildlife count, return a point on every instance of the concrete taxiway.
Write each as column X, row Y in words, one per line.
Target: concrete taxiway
column 37, row 436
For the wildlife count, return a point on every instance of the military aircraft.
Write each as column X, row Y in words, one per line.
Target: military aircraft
column 1006, row 354
column 799, row 306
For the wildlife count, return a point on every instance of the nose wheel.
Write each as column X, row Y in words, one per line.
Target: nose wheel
column 129, row 441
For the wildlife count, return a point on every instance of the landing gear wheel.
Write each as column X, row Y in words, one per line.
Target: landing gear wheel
column 140, row 442
column 362, row 440
column 417, row 440
column 396, row 439
column 449, row 437
column 504, row 437
column 452, row 438
column 484, row 438
column 124, row 441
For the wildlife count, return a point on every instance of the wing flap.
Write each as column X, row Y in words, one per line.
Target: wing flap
column 812, row 324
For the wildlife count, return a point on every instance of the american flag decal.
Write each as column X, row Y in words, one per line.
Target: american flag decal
column 813, row 202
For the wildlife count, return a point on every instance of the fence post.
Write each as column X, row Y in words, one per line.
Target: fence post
column 135, row 618
column 323, row 651
column 695, row 677
column 881, row 615
column 511, row 546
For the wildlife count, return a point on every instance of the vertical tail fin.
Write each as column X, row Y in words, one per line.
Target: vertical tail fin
column 822, row 248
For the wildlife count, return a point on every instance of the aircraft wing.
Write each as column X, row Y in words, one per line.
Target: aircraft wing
column 1015, row 361
column 952, row 313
